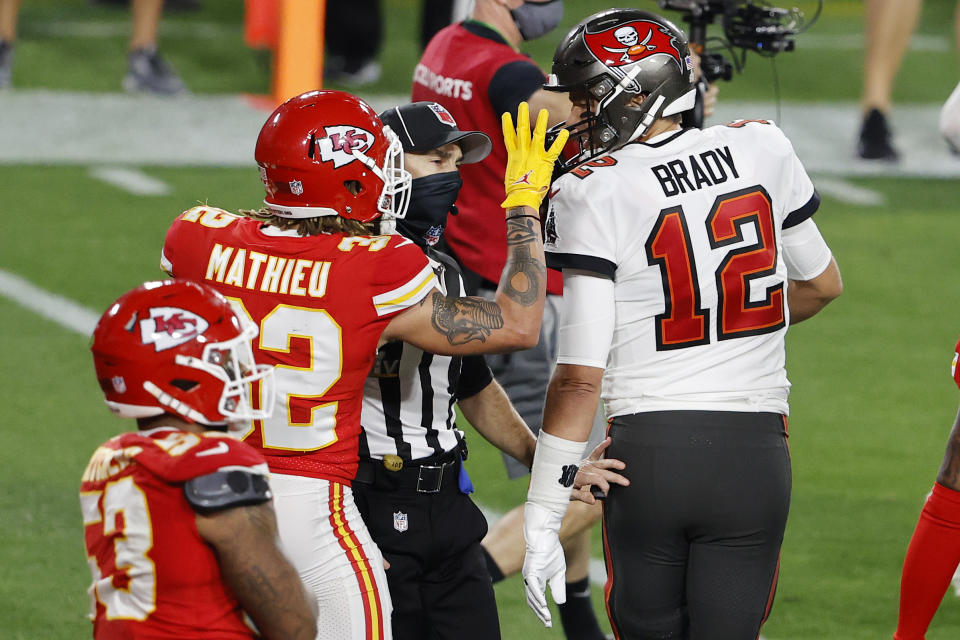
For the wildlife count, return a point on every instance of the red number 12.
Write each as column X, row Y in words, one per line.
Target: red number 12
column 685, row 321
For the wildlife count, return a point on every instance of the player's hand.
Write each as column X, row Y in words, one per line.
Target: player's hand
column 596, row 472
column 543, row 563
column 529, row 165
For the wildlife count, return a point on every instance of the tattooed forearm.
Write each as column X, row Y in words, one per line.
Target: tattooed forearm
column 465, row 319
column 524, row 275
column 522, row 230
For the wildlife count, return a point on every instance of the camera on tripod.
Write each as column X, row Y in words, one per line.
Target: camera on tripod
column 748, row 25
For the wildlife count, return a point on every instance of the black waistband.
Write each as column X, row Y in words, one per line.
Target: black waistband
column 700, row 428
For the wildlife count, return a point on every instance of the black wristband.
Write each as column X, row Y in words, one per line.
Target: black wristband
column 523, row 215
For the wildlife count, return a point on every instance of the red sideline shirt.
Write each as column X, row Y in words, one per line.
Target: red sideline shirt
column 321, row 303
column 153, row 575
column 472, row 71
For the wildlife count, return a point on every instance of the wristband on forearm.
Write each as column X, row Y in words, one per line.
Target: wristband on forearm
column 555, row 464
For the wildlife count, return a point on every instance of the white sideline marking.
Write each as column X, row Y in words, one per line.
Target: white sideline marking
column 130, row 180
column 87, row 29
column 94, row 129
column 63, row 311
column 848, row 192
column 854, row 42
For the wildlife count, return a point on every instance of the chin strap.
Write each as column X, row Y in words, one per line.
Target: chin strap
column 647, row 120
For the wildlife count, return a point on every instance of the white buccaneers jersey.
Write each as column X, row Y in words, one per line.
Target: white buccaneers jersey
column 688, row 225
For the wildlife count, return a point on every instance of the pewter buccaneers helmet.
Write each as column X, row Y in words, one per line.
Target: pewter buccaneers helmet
column 612, row 57
column 177, row 347
column 326, row 153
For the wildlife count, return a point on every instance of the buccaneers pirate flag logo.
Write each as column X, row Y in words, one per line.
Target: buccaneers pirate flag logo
column 633, row 42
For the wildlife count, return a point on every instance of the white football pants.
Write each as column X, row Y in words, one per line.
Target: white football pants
column 327, row 542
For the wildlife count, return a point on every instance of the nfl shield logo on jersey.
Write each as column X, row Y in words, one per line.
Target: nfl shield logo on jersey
column 400, row 521
column 296, row 187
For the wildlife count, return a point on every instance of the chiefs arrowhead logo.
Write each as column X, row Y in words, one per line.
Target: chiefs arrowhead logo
column 169, row 327
column 632, row 42
column 341, row 142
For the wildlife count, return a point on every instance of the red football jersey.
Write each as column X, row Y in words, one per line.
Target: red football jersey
column 153, row 575
column 321, row 303
column 455, row 71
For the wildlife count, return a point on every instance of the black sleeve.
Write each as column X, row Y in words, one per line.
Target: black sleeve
column 512, row 84
column 806, row 211
column 226, row 489
column 600, row 266
column 475, row 376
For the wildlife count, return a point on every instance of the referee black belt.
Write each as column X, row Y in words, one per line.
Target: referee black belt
column 426, row 475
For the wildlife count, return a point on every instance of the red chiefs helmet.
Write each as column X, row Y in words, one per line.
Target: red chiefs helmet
column 326, row 153
column 178, row 347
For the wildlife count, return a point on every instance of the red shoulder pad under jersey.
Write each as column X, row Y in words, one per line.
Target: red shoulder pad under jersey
column 177, row 456
column 183, row 243
column 954, row 369
column 401, row 276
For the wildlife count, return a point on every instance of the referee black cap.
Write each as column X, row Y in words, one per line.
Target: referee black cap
column 424, row 126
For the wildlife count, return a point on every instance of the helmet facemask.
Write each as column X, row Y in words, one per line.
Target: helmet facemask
column 230, row 362
column 397, row 181
column 178, row 347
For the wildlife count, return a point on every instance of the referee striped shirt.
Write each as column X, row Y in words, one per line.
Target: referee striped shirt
column 409, row 395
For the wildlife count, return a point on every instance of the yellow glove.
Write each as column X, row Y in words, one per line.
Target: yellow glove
column 529, row 165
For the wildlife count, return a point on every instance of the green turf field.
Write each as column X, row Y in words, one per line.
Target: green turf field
column 872, row 401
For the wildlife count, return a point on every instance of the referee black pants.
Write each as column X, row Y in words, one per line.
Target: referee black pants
column 438, row 578
column 693, row 544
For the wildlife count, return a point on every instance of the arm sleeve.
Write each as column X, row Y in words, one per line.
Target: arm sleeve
column 587, row 320
column 802, row 198
column 805, row 252
column 475, row 375
column 579, row 232
column 512, row 84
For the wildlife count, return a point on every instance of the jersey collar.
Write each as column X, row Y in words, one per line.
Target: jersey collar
column 662, row 139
